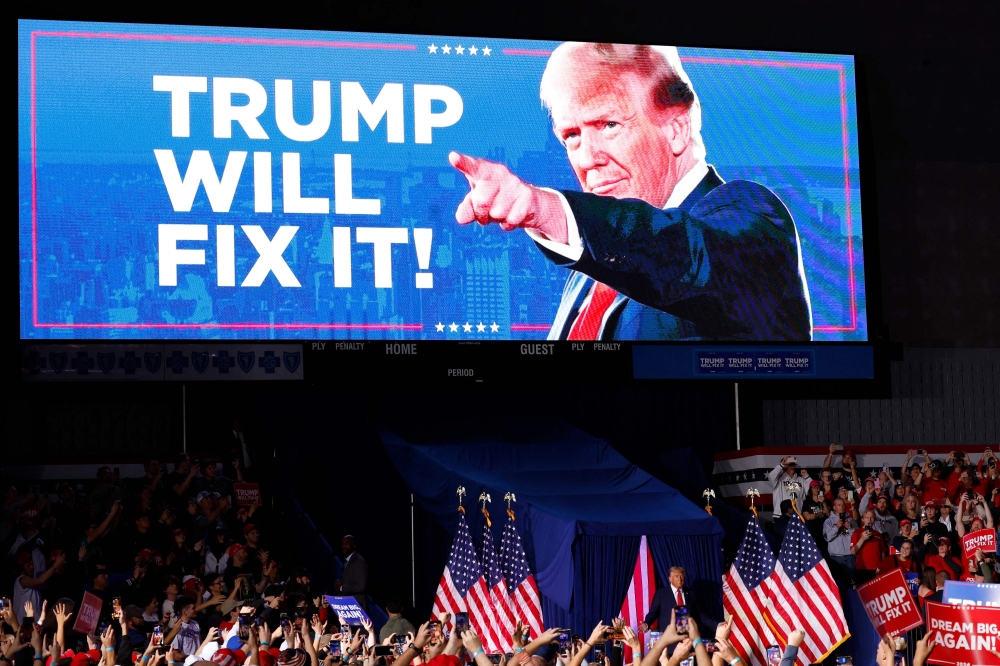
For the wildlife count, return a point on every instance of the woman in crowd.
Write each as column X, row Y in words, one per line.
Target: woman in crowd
column 827, row 485
column 217, row 559
column 928, row 584
column 910, row 509
column 171, row 590
column 903, row 560
column 868, row 548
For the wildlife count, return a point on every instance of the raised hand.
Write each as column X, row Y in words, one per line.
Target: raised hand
column 795, row 638
column 670, row 635
column 631, row 639
column 727, row 651
column 423, row 636
column 599, row 632
column 471, row 641
column 886, row 651
column 61, row 615
column 515, row 639
column 682, row 651
column 498, row 195
column 923, row 648
column 108, row 637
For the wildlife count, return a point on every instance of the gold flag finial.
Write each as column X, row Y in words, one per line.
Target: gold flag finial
column 461, row 493
column 751, row 493
column 484, row 497
column 708, row 494
column 510, row 498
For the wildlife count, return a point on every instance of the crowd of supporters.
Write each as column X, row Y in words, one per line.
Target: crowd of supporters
column 185, row 575
column 170, row 558
column 914, row 521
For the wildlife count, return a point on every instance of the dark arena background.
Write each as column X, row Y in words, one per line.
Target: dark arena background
column 358, row 406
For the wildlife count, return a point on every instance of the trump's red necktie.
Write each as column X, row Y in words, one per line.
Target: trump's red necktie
column 588, row 322
column 680, row 599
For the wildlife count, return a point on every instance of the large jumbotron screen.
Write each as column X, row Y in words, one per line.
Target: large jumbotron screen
column 205, row 182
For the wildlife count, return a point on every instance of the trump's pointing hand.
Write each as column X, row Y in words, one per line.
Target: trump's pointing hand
column 497, row 195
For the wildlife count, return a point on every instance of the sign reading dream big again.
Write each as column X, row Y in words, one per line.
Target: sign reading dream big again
column 194, row 182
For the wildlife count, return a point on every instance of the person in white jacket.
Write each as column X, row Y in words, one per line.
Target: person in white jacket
column 782, row 478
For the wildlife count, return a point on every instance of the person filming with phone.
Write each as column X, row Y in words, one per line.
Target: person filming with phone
column 838, row 531
column 868, row 547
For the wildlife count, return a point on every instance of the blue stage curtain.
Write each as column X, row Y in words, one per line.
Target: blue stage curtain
column 605, row 565
column 701, row 557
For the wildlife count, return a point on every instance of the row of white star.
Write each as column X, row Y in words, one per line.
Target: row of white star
column 467, row 327
column 460, row 50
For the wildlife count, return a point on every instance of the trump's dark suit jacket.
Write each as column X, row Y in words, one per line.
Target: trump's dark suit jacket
column 664, row 602
column 724, row 265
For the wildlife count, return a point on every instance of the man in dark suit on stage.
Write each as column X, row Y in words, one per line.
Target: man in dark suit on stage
column 659, row 246
column 354, row 579
column 669, row 597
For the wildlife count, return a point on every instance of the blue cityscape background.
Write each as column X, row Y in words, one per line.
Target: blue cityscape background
column 100, row 195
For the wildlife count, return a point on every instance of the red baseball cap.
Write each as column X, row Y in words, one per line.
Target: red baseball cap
column 234, row 548
column 81, row 659
column 266, row 658
column 227, row 657
column 249, row 527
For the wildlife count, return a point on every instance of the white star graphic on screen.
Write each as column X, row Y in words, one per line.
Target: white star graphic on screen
column 467, row 327
column 445, row 49
column 481, row 328
column 494, row 328
column 460, row 50
column 473, row 50
column 487, row 50
column 439, row 327
column 432, row 49
column 453, row 328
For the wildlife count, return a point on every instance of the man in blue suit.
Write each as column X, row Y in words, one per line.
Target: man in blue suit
column 659, row 246
column 669, row 597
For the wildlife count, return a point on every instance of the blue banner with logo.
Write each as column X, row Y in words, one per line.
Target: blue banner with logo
column 348, row 610
column 971, row 594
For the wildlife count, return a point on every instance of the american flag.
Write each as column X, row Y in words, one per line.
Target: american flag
column 640, row 594
column 770, row 598
column 806, row 597
column 463, row 586
column 745, row 594
column 524, row 601
column 500, row 616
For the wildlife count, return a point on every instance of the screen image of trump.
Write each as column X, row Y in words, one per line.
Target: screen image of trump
column 187, row 182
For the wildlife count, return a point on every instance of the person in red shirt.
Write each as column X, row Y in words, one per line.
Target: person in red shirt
column 903, row 560
column 959, row 463
column 969, row 486
column 931, row 483
column 868, row 548
column 943, row 560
